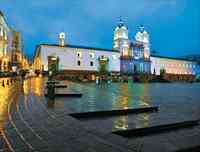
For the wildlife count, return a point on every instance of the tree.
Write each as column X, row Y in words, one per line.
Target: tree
column 103, row 67
column 162, row 73
column 53, row 63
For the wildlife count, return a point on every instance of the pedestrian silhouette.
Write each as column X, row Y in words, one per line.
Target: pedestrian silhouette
column 7, row 82
column 3, row 84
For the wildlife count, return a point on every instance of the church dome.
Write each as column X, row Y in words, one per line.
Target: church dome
column 145, row 32
column 142, row 35
column 121, row 31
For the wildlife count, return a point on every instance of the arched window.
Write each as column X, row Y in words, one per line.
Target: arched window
column 79, row 54
column 91, row 63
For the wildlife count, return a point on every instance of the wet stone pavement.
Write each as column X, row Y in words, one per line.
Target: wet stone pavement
column 29, row 122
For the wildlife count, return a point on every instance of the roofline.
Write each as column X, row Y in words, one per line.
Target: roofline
column 173, row 58
column 81, row 47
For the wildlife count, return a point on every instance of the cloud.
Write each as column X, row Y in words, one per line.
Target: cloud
column 91, row 22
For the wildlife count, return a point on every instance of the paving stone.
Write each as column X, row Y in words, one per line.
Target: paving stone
column 62, row 133
column 183, row 142
column 158, row 144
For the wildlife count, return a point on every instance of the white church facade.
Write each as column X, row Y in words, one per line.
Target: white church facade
column 75, row 58
column 126, row 56
column 71, row 57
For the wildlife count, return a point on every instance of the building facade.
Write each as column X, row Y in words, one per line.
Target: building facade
column 10, row 47
column 176, row 66
column 75, row 59
column 17, row 55
column 128, row 57
column 5, row 44
column 134, row 55
column 136, row 58
column 121, row 40
column 78, row 58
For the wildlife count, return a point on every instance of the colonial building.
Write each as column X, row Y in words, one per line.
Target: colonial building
column 127, row 57
column 75, row 59
column 121, row 40
column 17, row 55
column 176, row 66
column 5, row 44
column 136, row 58
column 10, row 47
column 135, row 55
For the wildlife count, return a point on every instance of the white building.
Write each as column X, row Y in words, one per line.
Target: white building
column 121, row 40
column 127, row 57
column 10, row 46
column 176, row 66
column 5, row 44
column 142, row 37
column 75, row 58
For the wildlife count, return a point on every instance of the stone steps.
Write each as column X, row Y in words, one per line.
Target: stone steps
column 57, row 133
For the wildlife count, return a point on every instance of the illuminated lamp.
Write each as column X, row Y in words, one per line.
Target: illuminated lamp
column 54, row 58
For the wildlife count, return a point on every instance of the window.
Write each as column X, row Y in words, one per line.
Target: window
column 91, row 55
column 91, row 63
column 79, row 54
column 78, row 62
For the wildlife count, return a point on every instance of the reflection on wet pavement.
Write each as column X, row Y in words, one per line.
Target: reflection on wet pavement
column 8, row 94
column 23, row 108
column 174, row 105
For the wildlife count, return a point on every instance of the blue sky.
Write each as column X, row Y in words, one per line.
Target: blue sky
column 174, row 25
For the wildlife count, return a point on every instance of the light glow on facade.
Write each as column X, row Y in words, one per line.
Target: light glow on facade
column 126, row 57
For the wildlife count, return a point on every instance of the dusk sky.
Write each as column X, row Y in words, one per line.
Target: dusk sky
column 174, row 25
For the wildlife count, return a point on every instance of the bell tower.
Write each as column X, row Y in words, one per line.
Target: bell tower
column 120, row 40
column 62, row 39
column 142, row 38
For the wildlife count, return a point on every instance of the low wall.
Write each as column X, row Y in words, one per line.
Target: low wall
column 78, row 75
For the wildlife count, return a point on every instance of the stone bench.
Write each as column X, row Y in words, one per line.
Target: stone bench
column 106, row 113
column 156, row 129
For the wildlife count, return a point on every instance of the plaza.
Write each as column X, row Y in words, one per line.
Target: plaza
column 74, row 77
column 31, row 122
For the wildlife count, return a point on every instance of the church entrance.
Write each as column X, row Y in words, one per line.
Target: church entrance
column 53, row 64
column 103, row 68
column 135, row 68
